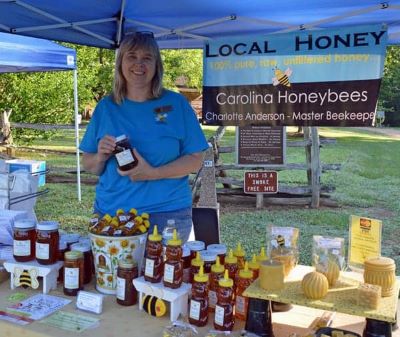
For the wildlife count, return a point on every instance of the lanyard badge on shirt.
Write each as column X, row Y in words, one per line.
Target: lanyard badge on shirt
column 161, row 113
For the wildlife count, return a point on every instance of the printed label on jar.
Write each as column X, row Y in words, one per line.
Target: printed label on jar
column 169, row 273
column 219, row 315
column 22, row 247
column 149, row 268
column 121, row 282
column 71, row 278
column 42, row 251
column 212, row 298
column 125, row 157
column 129, row 224
column 240, row 303
column 194, row 310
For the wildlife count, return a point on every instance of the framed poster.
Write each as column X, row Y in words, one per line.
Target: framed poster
column 260, row 145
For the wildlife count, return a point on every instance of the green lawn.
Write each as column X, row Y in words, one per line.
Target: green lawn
column 367, row 185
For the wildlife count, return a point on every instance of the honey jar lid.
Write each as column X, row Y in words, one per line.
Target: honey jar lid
column 73, row 255
column 127, row 263
column 119, row 138
column 47, row 225
column 24, row 224
column 196, row 245
column 200, row 276
column 382, row 263
column 254, row 264
column 62, row 245
column 219, row 248
column 175, row 241
column 231, row 258
column 246, row 272
column 239, row 251
column 155, row 237
column 197, row 261
column 70, row 237
column 217, row 267
column 208, row 256
column 82, row 247
column 226, row 282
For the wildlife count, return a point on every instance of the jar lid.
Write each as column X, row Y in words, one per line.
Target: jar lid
column 85, row 239
column 225, row 282
column 208, row 256
column 201, row 276
column 219, row 248
column 70, row 237
column 127, row 263
column 47, row 225
column 25, row 223
column 81, row 247
column 196, row 245
column 231, row 259
column 119, row 138
column 62, row 245
column 73, row 255
column 217, row 267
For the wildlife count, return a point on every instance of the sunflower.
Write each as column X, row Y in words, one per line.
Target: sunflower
column 124, row 243
column 100, row 243
column 113, row 250
column 110, row 278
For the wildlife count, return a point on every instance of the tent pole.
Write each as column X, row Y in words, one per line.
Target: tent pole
column 78, row 167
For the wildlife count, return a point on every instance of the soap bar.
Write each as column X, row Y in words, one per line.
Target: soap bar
column 369, row 295
column 271, row 275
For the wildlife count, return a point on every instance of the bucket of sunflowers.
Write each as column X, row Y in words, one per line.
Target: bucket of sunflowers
column 115, row 238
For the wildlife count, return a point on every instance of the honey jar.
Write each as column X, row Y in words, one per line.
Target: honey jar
column 381, row 271
column 24, row 240
column 47, row 239
column 195, row 246
column 219, row 249
column 73, row 272
column 87, row 260
column 209, row 259
column 126, row 291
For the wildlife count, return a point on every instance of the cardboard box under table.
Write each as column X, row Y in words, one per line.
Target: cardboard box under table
column 117, row 320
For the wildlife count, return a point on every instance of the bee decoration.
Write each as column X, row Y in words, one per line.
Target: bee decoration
column 26, row 278
column 282, row 77
column 280, row 240
column 154, row 306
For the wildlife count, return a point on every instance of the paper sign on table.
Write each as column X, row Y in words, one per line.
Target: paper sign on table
column 70, row 321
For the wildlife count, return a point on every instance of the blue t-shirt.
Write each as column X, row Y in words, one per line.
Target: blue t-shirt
column 161, row 130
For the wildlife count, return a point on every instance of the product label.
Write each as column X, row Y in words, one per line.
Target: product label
column 194, row 312
column 240, row 304
column 129, row 225
column 125, row 157
column 123, row 218
column 169, row 270
column 71, row 278
column 219, row 315
column 22, row 247
column 42, row 251
column 149, row 268
column 121, row 283
column 212, row 298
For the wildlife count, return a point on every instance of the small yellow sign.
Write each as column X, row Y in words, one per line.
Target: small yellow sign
column 365, row 237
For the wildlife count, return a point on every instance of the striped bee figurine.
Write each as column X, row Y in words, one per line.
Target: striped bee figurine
column 26, row 278
column 154, row 306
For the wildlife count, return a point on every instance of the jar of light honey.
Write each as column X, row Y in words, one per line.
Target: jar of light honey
column 381, row 271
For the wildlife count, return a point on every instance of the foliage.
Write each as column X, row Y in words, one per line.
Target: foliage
column 389, row 99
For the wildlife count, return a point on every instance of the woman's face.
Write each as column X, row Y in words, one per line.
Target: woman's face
column 138, row 68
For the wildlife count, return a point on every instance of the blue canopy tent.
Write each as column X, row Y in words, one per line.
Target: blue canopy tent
column 27, row 54
column 187, row 24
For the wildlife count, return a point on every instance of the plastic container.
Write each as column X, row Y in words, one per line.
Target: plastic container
column 224, row 320
column 153, row 271
column 245, row 278
column 217, row 273
column 173, row 266
column 219, row 249
column 209, row 259
column 198, row 307
column 195, row 246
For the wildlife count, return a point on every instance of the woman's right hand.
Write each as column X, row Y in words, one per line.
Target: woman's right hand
column 105, row 148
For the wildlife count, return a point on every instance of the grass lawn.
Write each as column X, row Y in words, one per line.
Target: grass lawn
column 367, row 185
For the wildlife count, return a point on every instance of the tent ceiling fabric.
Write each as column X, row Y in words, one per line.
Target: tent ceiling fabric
column 186, row 24
column 22, row 53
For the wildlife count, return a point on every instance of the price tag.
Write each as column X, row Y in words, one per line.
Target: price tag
column 90, row 302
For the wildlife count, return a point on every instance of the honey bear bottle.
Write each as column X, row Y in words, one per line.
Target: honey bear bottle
column 224, row 320
column 198, row 308
column 173, row 266
column 239, row 253
column 244, row 280
column 217, row 272
column 153, row 271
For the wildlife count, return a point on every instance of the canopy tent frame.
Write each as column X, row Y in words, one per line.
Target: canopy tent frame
column 25, row 49
column 122, row 18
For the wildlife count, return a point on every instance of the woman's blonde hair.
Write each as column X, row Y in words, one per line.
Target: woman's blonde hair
column 131, row 42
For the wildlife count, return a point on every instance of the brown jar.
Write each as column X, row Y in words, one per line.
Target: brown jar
column 87, row 260
column 126, row 291
column 209, row 259
column 198, row 307
column 126, row 159
column 186, row 263
column 24, row 240
column 47, row 238
column 153, row 259
column 224, row 319
column 73, row 272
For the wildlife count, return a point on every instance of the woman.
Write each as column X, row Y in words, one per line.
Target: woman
column 163, row 130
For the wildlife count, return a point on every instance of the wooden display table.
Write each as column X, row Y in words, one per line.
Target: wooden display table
column 342, row 298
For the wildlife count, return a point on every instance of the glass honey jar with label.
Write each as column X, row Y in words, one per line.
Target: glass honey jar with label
column 24, row 238
column 47, row 238
column 126, row 291
column 124, row 154
column 73, row 272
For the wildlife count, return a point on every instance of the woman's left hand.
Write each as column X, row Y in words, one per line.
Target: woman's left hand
column 143, row 170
